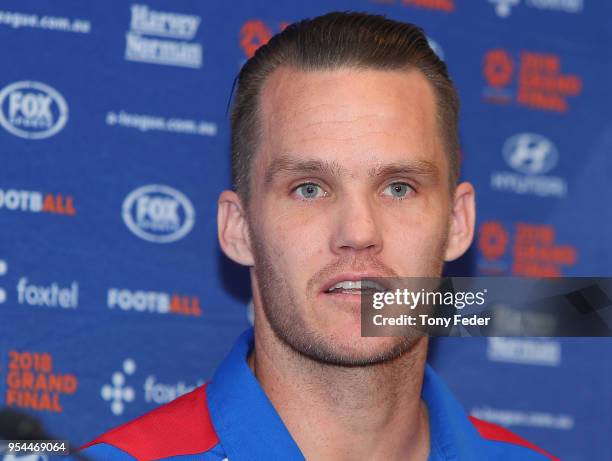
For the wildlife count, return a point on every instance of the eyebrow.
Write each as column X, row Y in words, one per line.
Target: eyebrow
column 291, row 165
column 413, row 167
column 288, row 164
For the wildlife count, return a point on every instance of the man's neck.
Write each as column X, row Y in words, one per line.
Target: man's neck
column 346, row 413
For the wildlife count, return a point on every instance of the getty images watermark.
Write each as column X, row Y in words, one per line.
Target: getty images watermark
column 486, row 306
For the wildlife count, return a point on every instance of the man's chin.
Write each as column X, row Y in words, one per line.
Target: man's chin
column 349, row 351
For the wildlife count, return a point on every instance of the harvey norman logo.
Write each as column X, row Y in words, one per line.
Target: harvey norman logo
column 32, row 110
column 158, row 213
column 522, row 351
column 169, row 40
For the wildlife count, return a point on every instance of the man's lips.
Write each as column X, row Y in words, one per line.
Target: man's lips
column 354, row 284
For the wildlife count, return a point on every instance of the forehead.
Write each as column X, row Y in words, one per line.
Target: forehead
column 354, row 115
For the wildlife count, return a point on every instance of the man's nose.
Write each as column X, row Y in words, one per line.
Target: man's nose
column 357, row 228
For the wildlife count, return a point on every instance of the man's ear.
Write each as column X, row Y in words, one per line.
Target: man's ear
column 233, row 229
column 463, row 219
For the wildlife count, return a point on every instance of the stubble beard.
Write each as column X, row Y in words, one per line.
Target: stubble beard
column 282, row 314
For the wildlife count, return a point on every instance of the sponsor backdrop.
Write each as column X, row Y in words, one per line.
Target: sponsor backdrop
column 114, row 297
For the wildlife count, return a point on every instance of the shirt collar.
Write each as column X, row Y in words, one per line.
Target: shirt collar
column 247, row 424
column 249, row 427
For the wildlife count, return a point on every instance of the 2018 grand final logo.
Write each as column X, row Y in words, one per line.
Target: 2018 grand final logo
column 158, row 213
column 32, row 110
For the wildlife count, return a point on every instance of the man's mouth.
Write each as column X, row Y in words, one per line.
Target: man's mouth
column 355, row 287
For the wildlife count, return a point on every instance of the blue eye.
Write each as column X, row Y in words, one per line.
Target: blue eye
column 399, row 190
column 308, row 191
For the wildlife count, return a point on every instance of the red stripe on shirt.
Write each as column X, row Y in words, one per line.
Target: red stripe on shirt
column 181, row 427
column 497, row 433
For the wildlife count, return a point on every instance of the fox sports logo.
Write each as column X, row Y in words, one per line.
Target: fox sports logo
column 32, row 110
column 530, row 153
column 158, row 213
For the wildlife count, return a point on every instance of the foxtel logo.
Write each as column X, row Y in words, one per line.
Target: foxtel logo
column 36, row 202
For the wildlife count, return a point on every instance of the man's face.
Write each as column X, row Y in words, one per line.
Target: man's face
column 350, row 180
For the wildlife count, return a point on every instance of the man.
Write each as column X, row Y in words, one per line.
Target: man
column 345, row 160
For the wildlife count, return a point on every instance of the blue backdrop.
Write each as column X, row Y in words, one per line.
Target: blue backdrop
column 114, row 296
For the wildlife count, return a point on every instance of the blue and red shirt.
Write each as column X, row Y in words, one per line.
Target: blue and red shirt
column 231, row 419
